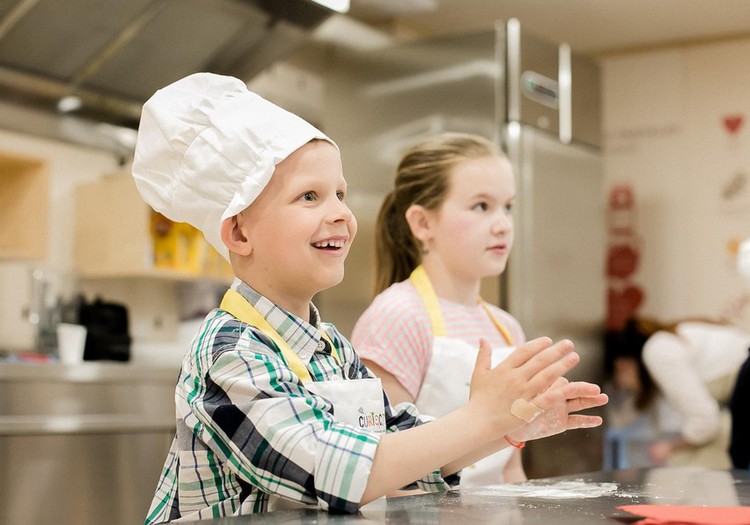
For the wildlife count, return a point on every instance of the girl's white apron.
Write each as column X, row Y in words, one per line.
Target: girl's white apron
column 448, row 378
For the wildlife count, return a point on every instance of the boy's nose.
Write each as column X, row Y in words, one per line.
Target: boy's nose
column 341, row 212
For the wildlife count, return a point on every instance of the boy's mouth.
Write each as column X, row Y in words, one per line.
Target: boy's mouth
column 330, row 244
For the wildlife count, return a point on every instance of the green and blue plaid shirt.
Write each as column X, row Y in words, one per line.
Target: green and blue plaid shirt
column 249, row 433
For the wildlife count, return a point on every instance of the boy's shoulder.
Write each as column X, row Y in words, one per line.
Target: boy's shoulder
column 220, row 332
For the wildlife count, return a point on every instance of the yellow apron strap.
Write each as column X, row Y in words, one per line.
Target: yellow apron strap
column 421, row 282
column 506, row 335
column 236, row 305
column 334, row 353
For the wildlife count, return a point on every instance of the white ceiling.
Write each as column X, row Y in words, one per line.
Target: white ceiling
column 594, row 27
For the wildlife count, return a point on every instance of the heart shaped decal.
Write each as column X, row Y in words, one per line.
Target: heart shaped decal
column 733, row 123
column 622, row 261
column 622, row 305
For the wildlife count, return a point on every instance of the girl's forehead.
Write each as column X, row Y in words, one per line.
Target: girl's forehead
column 481, row 171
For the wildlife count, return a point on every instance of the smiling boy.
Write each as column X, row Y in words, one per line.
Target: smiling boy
column 302, row 215
column 269, row 400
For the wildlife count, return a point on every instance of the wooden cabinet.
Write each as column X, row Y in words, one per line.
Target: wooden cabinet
column 23, row 207
column 118, row 235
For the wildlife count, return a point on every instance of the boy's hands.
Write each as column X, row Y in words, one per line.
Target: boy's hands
column 533, row 373
column 565, row 398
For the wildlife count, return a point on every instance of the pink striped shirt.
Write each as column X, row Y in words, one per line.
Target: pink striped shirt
column 395, row 332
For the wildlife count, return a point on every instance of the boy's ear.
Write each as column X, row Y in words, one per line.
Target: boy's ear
column 234, row 237
column 419, row 220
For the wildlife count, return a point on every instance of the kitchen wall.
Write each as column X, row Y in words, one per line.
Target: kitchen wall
column 676, row 133
column 676, row 129
column 157, row 308
column 153, row 304
column 68, row 165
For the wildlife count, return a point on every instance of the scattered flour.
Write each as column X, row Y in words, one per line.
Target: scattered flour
column 559, row 490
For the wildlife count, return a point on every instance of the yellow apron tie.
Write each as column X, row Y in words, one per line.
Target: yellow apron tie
column 421, row 282
column 238, row 306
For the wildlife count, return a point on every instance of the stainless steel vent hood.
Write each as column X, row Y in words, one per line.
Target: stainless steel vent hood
column 111, row 55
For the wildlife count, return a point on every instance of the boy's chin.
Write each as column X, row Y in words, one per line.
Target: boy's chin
column 333, row 279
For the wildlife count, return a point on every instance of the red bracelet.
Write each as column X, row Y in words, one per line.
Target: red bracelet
column 518, row 445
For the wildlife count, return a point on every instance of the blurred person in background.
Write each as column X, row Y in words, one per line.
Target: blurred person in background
column 681, row 376
column 739, row 447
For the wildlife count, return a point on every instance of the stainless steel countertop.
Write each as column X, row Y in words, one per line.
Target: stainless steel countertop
column 590, row 498
column 94, row 397
column 87, row 372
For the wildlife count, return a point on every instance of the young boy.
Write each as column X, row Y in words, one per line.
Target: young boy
column 274, row 408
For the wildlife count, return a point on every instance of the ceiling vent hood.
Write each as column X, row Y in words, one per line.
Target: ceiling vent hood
column 109, row 56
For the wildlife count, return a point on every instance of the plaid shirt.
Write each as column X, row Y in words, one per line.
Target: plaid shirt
column 250, row 437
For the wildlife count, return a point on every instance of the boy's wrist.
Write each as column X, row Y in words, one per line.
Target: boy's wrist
column 485, row 428
column 514, row 443
column 517, row 436
column 493, row 427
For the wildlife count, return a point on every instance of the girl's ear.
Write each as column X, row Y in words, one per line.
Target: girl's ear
column 234, row 237
column 419, row 220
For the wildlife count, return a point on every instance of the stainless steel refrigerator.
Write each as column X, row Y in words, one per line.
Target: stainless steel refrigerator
column 540, row 102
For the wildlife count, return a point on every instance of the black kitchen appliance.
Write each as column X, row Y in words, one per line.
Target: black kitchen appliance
column 107, row 336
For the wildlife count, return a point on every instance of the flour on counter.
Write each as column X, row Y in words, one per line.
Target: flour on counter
column 559, row 490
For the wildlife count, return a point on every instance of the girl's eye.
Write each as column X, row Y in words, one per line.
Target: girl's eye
column 340, row 195
column 481, row 206
column 308, row 196
column 509, row 207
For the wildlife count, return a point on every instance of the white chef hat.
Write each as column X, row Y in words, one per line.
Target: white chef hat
column 206, row 148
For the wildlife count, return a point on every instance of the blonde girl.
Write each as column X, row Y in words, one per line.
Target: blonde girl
column 446, row 224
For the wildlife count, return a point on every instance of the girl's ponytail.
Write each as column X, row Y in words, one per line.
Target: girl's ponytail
column 396, row 252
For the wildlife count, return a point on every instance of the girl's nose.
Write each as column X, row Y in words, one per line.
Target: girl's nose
column 504, row 222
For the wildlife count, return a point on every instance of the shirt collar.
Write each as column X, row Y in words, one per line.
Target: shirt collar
column 302, row 337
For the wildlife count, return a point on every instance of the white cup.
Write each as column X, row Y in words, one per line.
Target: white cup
column 71, row 340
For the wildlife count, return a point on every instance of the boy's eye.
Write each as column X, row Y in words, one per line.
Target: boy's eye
column 340, row 195
column 481, row 206
column 509, row 207
column 308, row 196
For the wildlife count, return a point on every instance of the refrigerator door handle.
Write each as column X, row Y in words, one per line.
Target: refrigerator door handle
column 513, row 36
column 565, row 84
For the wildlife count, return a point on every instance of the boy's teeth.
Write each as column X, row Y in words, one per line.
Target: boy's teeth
column 329, row 244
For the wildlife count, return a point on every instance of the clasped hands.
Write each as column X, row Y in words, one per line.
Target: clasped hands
column 527, row 395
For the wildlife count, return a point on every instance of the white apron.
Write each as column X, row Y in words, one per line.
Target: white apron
column 357, row 402
column 448, row 378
